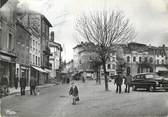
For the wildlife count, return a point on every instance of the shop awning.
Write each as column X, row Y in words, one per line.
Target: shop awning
column 39, row 69
column 47, row 70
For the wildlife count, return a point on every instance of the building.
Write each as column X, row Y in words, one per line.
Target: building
column 141, row 58
column 22, row 51
column 45, row 50
column 84, row 60
column 55, row 58
column 38, row 26
column 111, row 65
column 160, row 58
column 7, row 41
column 166, row 52
column 69, row 68
column 2, row 2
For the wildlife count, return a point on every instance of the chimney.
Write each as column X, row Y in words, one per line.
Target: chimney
column 150, row 45
column 52, row 36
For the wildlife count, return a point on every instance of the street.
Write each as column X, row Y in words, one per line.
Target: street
column 94, row 102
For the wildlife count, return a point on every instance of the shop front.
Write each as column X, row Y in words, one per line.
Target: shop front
column 39, row 74
column 22, row 71
column 7, row 68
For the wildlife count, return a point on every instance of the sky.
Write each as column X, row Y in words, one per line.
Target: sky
column 149, row 17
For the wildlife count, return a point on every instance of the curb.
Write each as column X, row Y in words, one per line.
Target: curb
column 40, row 87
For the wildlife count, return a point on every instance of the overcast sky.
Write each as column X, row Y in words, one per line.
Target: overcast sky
column 149, row 17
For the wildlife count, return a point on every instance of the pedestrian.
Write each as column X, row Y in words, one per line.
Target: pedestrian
column 83, row 79
column 16, row 82
column 22, row 85
column 118, row 82
column 74, row 93
column 128, row 80
column 33, row 84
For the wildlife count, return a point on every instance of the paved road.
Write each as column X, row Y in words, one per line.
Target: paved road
column 95, row 102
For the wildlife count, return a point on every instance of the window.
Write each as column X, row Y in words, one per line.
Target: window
column 157, row 61
column 162, row 61
column 128, row 59
column 113, row 66
column 33, row 59
column 113, row 58
column 151, row 60
column 140, row 59
column 39, row 61
column 33, row 42
column 107, row 73
column 10, row 41
column 36, row 60
column 108, row 66
column 134, row 59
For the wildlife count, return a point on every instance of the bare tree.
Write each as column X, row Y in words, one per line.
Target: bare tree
column 104, row 29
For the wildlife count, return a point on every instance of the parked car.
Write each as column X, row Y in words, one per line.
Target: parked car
column 149, row 81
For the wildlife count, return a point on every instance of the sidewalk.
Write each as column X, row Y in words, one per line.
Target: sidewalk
column 15, row 91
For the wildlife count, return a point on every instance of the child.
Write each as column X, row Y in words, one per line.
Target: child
column 74, row 93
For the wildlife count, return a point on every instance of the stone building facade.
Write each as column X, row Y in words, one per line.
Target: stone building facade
column 22, row 51
column 7, row 41
column 55, row 58
column 38, row 26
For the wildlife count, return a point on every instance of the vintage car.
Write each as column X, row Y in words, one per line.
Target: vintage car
column 149, row 81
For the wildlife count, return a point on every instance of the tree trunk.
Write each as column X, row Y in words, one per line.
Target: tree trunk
column 99, row 75
column 105, row 76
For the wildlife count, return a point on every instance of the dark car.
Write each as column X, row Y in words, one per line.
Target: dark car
column 149, row 81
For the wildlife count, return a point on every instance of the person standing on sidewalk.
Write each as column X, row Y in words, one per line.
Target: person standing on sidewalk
column 22, row 85
column 74, row 93
column 128, row 80
column 33, row 84
column 16, row 82
column 118, row 82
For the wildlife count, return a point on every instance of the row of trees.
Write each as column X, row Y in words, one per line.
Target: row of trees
column 104, row 29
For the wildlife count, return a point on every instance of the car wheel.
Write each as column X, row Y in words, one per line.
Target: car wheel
column 151, row 88
column 133, row 88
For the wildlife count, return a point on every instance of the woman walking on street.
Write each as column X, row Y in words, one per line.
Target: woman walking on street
column 74, row 93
